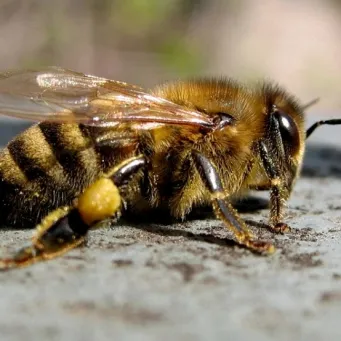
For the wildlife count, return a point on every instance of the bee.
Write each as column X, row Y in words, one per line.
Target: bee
column 104, row 148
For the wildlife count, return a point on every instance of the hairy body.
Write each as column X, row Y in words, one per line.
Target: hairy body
column 50, row 164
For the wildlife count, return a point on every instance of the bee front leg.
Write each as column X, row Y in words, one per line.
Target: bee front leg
column 278, row 193
column 223, row 208
column 66, row 228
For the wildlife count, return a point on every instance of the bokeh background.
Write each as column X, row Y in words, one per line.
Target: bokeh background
column 294, row 42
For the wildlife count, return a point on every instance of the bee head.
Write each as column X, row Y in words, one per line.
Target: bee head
column 285, row 134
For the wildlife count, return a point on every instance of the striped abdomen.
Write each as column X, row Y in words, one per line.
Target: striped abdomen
column 49, row 164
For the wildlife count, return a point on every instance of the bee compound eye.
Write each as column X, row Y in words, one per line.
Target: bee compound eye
column 288, row 128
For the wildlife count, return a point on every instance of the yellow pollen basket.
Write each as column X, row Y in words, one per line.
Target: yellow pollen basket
column 101, row 200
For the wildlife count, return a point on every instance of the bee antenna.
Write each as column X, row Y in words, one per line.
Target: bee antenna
column 311, row 103
column 310, row 130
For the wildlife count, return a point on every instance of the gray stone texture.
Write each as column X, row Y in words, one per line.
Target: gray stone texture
column 162, row 280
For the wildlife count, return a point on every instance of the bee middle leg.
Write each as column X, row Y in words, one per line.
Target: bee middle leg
column 66, row 227
column 223, row 208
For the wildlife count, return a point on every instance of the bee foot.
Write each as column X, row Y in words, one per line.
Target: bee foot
column 22, row 257
column 280, row 228
column 259, row 246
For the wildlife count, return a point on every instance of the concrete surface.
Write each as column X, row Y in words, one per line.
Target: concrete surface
column 187, row 281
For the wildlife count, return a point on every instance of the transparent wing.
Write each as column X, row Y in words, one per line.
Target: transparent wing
column 62, row 95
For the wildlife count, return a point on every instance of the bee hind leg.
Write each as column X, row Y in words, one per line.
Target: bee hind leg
column 223, row 208
column 60, row 231
column 66, row 228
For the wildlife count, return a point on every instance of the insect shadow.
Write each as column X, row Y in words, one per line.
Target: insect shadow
column 160, row 228
column 322, row 161
column 248, row 204
column 161, row 223
column 319, row 161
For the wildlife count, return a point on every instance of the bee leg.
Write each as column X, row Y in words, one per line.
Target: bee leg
column 60, row 231
column 278, row 193
column 102, row 200
column 66, row 227
column 223, row 208
column 261, row 187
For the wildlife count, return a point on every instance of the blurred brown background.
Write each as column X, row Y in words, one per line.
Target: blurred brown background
column 297, row 43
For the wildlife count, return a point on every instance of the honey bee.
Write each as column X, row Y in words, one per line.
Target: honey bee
column 104, row 148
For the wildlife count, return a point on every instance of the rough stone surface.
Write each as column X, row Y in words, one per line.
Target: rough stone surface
column 159, row 280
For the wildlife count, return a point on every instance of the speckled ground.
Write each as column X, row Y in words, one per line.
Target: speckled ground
column 158, row 280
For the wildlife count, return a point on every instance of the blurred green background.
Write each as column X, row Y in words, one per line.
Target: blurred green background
column 297, row 43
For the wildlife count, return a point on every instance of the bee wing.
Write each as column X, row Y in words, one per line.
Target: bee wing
column 61, row 95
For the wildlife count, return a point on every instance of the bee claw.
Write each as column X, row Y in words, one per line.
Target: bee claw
column 259, row 246
column 22, row 257
column 281, row 228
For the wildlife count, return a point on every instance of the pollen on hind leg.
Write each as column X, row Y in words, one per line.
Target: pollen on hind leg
column 99, row 201
column 49, row 220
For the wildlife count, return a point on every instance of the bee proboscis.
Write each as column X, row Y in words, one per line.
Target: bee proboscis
column 105, row 148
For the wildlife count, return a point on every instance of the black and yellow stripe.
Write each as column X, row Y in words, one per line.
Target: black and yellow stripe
column 49, row 164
